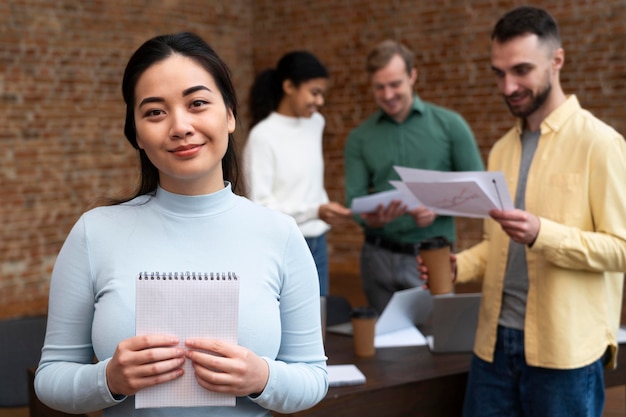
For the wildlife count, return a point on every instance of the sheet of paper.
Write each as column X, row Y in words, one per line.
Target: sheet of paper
column 339, row 375
column 463, row 194
column 464, row 199
column 409, row 336
column 370, row 203
column 427, row 175
column 186, row 308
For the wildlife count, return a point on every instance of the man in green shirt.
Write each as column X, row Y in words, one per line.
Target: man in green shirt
column 408, row 132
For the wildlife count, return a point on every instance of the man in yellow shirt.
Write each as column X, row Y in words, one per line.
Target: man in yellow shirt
column 552, row 269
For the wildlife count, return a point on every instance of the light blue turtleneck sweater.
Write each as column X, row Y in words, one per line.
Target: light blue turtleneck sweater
column 92, row 296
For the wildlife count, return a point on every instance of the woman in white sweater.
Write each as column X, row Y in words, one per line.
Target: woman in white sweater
column 283, row 155
column 181, row 112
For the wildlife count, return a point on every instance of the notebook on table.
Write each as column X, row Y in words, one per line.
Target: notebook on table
column 454, row 322
column 348, row 374
column 396, row 324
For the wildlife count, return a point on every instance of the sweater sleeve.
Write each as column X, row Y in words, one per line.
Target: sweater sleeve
column 67, row 372
column 298, row 377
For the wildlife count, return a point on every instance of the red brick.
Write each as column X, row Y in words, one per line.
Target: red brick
column 61, row 111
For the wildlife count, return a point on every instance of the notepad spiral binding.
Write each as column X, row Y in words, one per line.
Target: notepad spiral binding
column 187, row 276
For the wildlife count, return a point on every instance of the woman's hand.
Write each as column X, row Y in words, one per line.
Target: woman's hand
column 226, row 367
column 333, row 213
column 144, row 361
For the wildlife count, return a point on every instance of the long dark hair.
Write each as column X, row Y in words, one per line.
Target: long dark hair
column 153, row 51
column 267, row 90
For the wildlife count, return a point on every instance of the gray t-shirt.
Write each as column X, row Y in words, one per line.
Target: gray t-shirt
column 515, row 288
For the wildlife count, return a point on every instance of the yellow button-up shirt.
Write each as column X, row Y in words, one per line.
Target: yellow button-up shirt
column 576, row 265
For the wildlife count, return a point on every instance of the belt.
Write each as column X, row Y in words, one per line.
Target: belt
column 393, row 246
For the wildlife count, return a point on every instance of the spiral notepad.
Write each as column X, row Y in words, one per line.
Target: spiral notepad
column 186, row 305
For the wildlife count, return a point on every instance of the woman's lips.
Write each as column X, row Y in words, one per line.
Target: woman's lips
column 187, row 150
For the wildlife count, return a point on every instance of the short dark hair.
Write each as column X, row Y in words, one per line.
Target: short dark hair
column 527, row 20
column 267, row 89
column 158, row 49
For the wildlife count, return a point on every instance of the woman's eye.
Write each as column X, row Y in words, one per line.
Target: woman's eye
column 198, row 103
column 154, row 112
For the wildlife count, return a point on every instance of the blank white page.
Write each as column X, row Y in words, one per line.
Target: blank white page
column 186, row 305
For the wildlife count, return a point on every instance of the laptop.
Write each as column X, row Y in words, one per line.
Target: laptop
column 454, row 321
column 406, row 309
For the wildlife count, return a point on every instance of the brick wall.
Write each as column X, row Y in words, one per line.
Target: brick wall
column 61, row 112
column 61, row 116
column 451, row 40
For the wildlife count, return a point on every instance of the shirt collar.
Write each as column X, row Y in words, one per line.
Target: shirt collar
column 417, row 106
column 557, row 118
column 195, row 205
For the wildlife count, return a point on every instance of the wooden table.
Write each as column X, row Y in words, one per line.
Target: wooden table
column 406, row 382
column 401, row 382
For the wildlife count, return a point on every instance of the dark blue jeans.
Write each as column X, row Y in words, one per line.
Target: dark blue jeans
column 509, row 387
column 319, row 250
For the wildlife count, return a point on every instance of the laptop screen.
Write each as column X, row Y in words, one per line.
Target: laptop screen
column 454, row 322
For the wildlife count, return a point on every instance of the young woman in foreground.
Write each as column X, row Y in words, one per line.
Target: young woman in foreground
column 180, row 115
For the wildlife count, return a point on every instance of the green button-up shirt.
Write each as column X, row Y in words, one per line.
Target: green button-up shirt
column 431, row 137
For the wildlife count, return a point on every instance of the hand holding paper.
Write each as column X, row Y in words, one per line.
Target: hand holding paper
column 521, row 226
column 227, row 367
column 381, row 208
column 423, row 216
column 131, row 369
column 370, row 203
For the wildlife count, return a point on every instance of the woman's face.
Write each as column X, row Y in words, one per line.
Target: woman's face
column 306, row 99
column 182, row 124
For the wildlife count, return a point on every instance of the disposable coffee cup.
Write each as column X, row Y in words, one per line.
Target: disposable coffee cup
column 435, row 253
column 363, row 330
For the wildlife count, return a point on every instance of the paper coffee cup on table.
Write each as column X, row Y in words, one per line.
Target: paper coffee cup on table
column 435, row 253
column 363, row 330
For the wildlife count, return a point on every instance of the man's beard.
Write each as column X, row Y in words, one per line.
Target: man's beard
column 537, row 102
